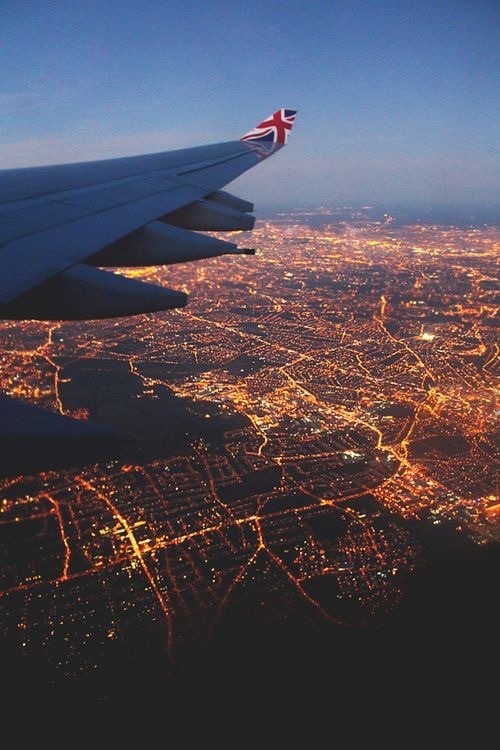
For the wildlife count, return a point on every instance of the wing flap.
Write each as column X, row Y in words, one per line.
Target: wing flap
column 159, row 244
column 231, row 201
column 210, row 216
column 86, row 293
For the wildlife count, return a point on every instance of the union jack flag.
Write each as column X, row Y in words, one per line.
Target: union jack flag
column 273, row 130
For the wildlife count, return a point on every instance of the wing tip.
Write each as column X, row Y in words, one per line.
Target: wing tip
column 274, row 130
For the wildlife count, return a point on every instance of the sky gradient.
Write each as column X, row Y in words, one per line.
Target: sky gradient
column 398, row 102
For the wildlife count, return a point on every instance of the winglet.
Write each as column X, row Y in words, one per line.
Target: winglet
column 274, row 130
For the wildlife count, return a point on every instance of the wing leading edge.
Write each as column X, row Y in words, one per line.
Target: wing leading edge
column 61, row 225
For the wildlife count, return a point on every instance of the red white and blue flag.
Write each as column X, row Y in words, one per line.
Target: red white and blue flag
column 273, row 130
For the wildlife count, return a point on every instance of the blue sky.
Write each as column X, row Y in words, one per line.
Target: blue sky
column 398, row 101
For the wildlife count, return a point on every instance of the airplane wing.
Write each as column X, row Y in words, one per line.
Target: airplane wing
column 61, row 225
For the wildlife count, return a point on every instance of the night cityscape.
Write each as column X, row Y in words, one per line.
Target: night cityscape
column 307, row 448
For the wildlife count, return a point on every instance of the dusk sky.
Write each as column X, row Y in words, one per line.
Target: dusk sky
column 398, row 102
